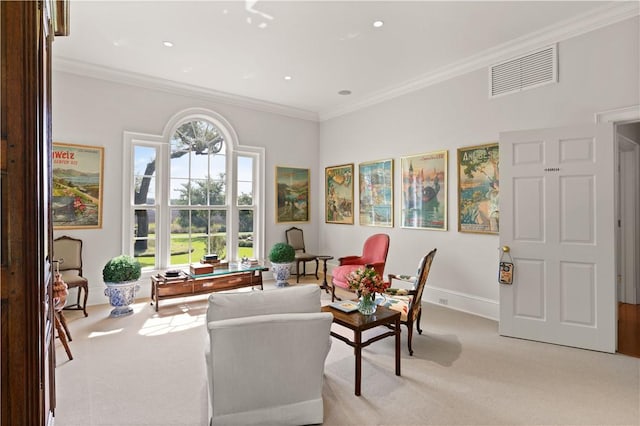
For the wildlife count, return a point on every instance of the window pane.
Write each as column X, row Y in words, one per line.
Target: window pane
column 145, row 190
column 144, row 167
column 147, row 258
column 179, row 194
column 218, row 166
column 245, row 193
column 199, row 165
column 245, row 181
column 180, row 249
column 199, row 192
column 245, row 237
column 218, row 233
column 144, row 160
column 245, row 169
column 144, row 223
column 217, row 195
column 144, row 242
column 179, row 167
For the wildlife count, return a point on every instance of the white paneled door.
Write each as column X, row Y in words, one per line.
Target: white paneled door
column 557, row 217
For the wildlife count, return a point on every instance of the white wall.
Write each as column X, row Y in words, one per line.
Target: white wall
column 598, row 72
column 96, row 112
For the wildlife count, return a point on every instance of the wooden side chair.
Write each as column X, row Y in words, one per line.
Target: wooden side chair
column 67, row 252
column 409, row 301
column 295, row 238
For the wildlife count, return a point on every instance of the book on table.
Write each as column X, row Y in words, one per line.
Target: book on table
column 345, row 305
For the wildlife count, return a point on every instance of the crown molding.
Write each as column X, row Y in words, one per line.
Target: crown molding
column 587, row 22
column 86, row 69
column 597, row 18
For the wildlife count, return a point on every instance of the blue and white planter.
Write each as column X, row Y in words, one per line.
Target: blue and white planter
column 281, row 273
column 121, row 296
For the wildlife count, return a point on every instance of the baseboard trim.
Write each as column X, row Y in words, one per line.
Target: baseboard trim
column 463, row 302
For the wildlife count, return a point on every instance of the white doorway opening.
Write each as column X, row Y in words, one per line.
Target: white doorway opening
column 628, row 208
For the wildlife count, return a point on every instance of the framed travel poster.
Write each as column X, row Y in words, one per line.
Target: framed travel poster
column 424, row 191
column 292, row 189
column 376, row 193
column 77, row 186
column 338, row 183
column 478, row 189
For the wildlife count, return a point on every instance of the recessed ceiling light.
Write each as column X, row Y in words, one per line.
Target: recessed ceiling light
column 287, row 77
column 344, row 92
column 167, row 43
column 378, row 23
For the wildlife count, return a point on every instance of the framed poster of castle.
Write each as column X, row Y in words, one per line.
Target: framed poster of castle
column 77, row 186
column 478, row 189
column 424, row 191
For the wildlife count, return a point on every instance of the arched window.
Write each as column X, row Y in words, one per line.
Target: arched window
column 193, row 191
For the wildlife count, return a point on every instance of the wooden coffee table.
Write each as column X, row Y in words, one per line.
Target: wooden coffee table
column 358, row 323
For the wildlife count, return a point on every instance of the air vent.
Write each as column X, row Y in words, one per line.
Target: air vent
column 525, row 72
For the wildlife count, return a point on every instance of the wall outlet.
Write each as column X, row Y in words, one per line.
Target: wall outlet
column 443, row 301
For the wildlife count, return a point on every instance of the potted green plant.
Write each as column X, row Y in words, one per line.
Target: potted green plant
column 120, row 275
column 282, row 256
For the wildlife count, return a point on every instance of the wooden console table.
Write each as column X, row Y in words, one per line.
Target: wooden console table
column 229, row 278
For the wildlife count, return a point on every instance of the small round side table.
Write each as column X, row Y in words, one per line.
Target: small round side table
column 324, row 259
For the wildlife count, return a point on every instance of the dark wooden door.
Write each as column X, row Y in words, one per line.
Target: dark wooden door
column 27, row 356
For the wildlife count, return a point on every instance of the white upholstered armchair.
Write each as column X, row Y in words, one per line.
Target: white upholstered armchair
column 265, row 357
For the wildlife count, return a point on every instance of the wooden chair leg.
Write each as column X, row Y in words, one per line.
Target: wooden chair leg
column 317, row 264
column 84, row 305
column 409, row 336
column 62, row 336
column 298, row 271
column 63, row 321
column 418, row 322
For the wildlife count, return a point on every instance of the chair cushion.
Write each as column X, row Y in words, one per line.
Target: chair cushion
column 73, row 279
column 397, row 303
column 339, row 274
column 305, row 256
column 297, row 299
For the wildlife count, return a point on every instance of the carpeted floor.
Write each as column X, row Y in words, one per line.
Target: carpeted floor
column 148, row 369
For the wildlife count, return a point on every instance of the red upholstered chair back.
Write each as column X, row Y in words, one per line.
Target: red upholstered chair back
column 375, row 250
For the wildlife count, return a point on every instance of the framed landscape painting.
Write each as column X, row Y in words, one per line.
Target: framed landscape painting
column 478, row 189
column 292, row 189
column 375, row 181
column 424, row 191
column 77, row 186
column 338, row 182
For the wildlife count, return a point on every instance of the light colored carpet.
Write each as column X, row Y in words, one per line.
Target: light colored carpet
column 148, row 369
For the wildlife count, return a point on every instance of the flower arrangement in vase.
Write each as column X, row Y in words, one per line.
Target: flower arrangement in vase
column 366, row 282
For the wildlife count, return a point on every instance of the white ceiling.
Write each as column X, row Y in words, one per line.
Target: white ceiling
column 244, row 49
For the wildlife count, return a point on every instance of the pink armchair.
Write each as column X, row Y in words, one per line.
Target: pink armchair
column 374, row 255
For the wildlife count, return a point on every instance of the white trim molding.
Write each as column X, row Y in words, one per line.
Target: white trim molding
column 463, row 302
column 631, row 113
column 86, row 69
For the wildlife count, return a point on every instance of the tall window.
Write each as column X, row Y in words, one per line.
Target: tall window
column 193, row 192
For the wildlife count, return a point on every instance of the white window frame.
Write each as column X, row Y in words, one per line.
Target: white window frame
column 163, row 225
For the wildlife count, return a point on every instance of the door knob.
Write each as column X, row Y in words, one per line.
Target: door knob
column 506, row 249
